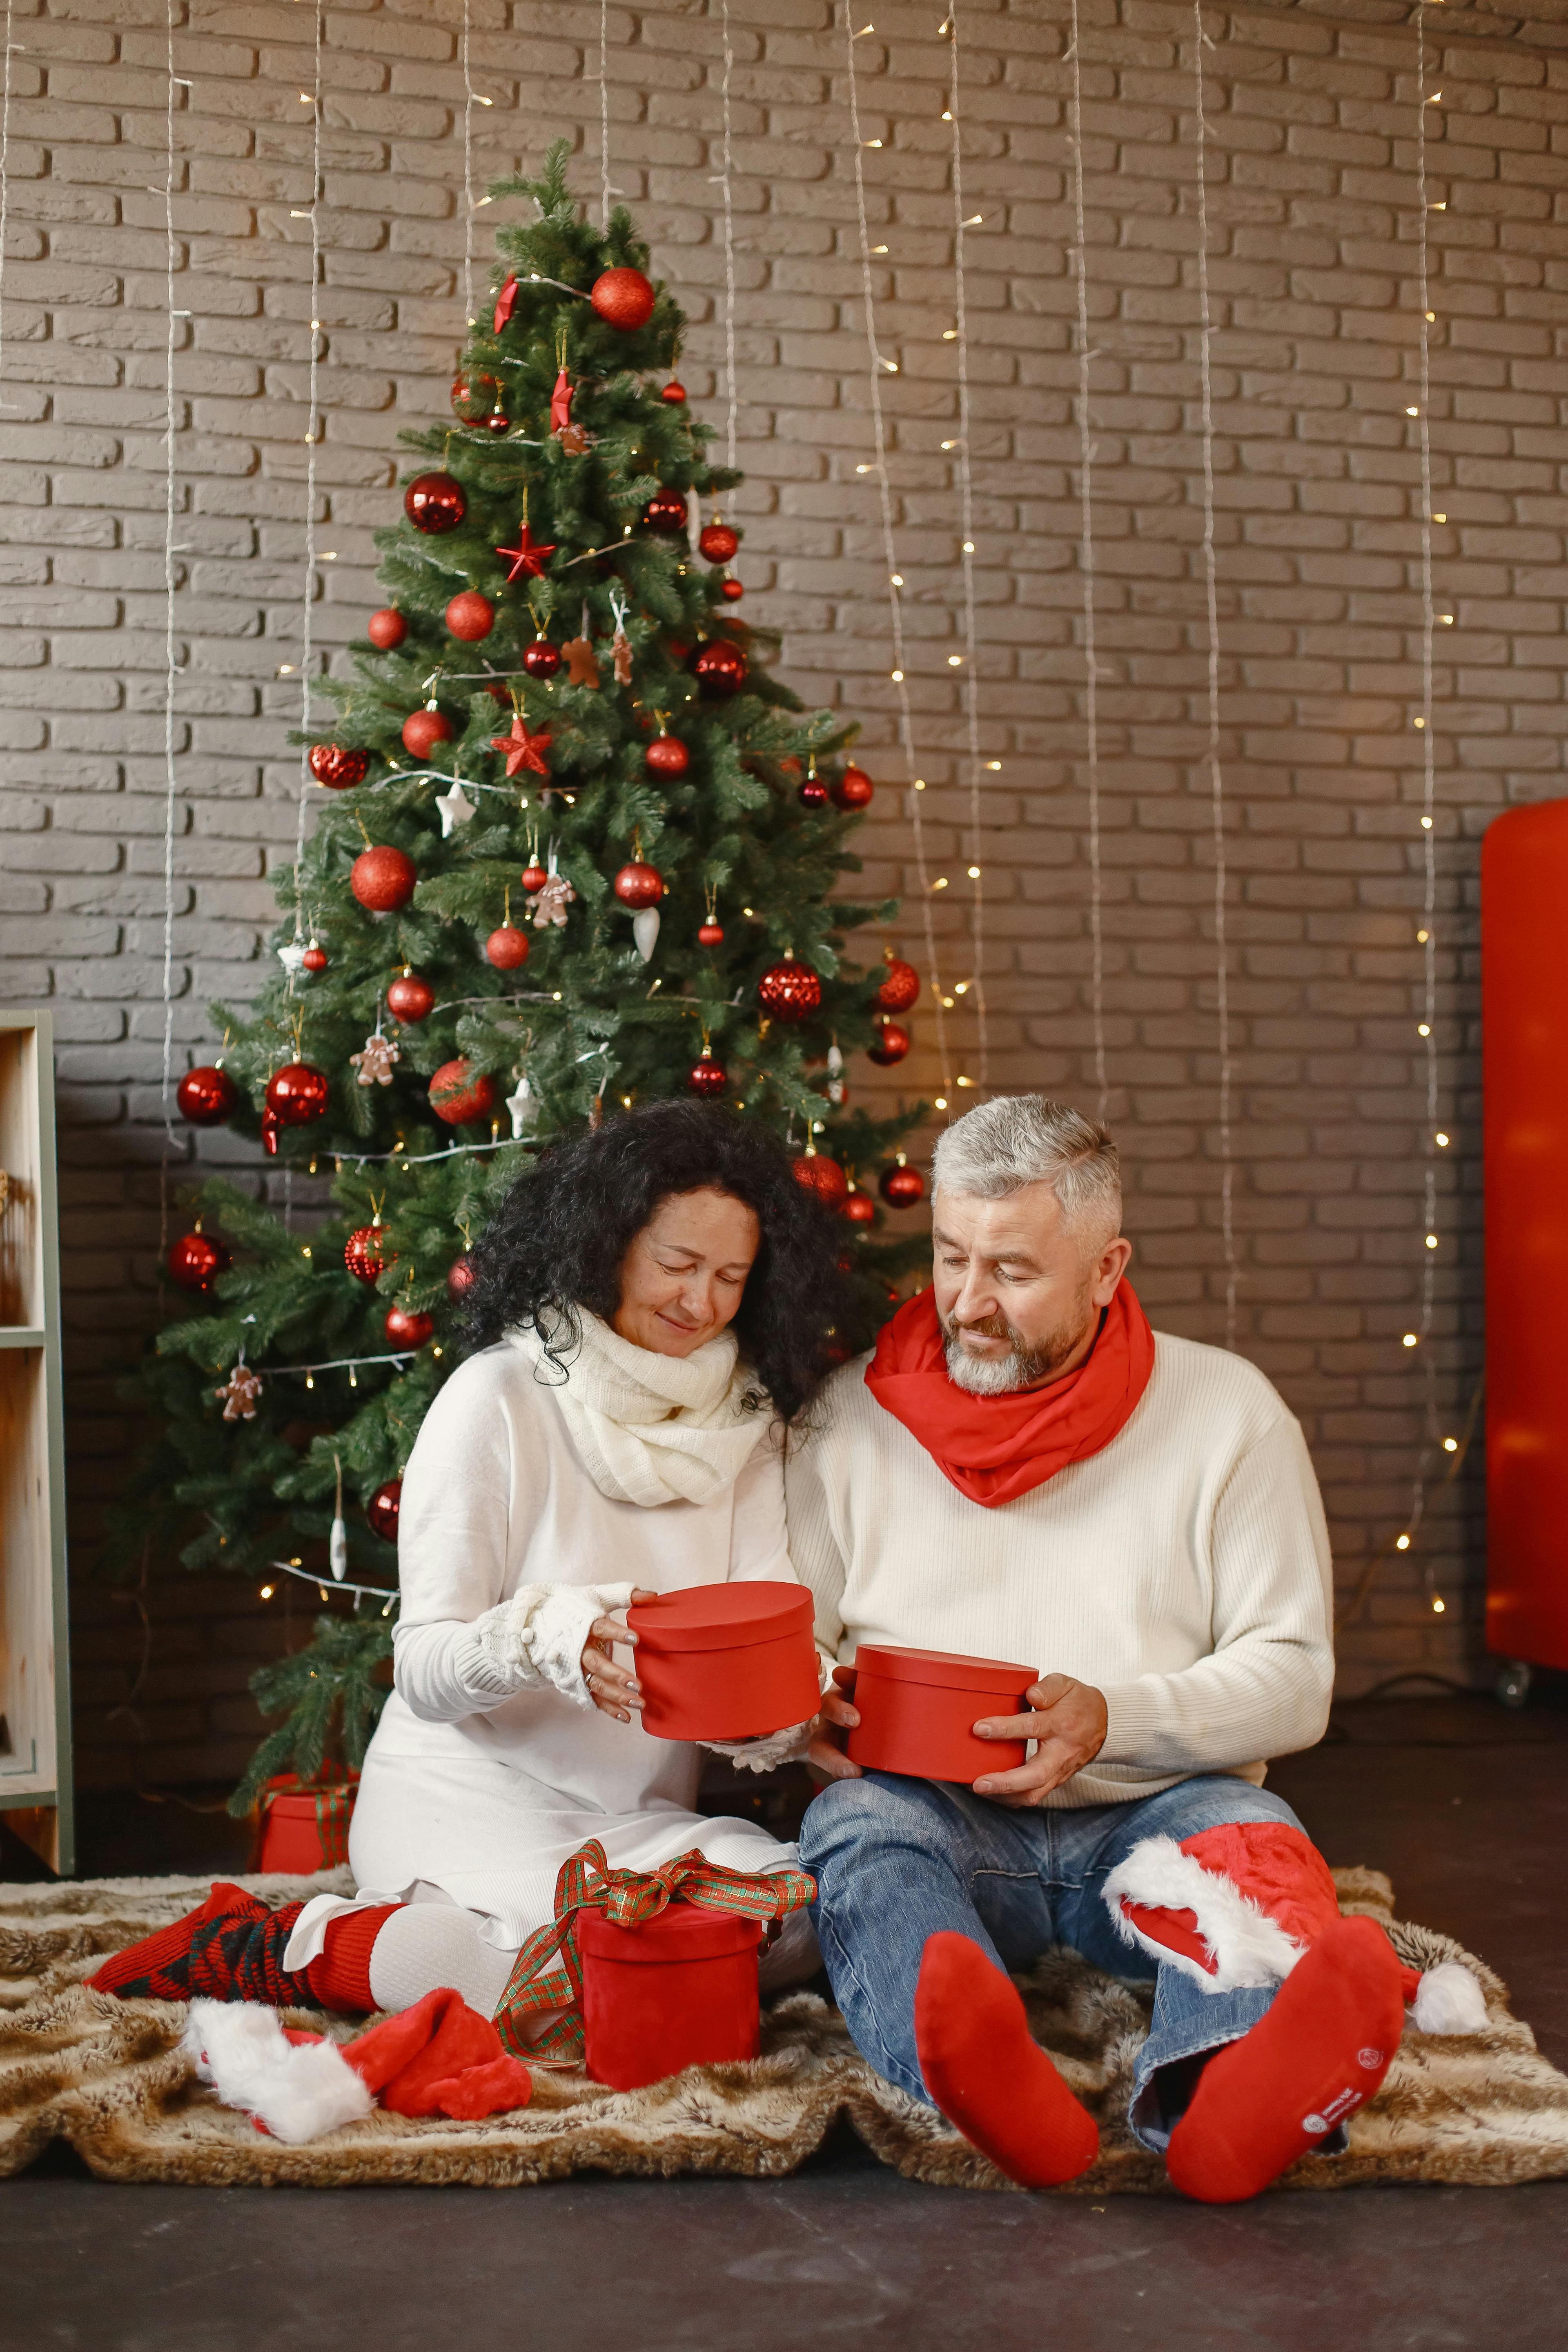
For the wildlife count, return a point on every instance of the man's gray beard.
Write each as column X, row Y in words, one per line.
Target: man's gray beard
column 1024, row 1368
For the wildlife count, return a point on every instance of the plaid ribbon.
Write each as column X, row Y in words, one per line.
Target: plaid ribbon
column 627, row 1898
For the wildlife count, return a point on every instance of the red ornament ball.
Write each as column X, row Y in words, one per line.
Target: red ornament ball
column 893, row 1042
column 638, row 885
column 296, row 1093
column 382, row 880
column 813, row 793
column 365, row 1254
column 674, row 393
column 718, row 542
column 823, row 1176
column 708, row 1078
column 381, row 1509
column 460, row 1278
column 338, row 768
column 497, row 421
column 668, row 756
column 387, row 628
column 470, row 616
column 457, row 1095
column 534, row 877
column 314, row 958
column 860, row 1208
column 541, row 659
column 720, row 669
column 421, row 730
column 666, row 510
column 507, row 948
column 195, row 1260
column 406, row 1329
column 789, row 992
column 410, row 998
column 900, row 986
column 206, row 1096
column 710, row 935
column 854, row 789
column 622, row 298
column 474, row 397
column 731, row 590
column 902, row 1187
column 434, row 503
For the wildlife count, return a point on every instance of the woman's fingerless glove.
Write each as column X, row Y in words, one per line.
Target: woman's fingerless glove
column 537, row 1637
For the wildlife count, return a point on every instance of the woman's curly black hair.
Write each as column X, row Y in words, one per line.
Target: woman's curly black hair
column 559, row 1236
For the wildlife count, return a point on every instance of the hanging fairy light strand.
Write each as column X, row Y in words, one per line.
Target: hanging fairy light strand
column 966, row 550
column 889, row 552
column 312, row 437
column 1086, row 568
column 604, row 113
column 12, row 50
column 1216, row 772
column 732, row 394
column 1434, row 1139
column 468, row 170
column 173, row 1141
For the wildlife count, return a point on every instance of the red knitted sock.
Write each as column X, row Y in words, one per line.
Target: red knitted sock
column 1320, row 2053
column 231, row 1949
column 339, row 1976
column 987, row 2073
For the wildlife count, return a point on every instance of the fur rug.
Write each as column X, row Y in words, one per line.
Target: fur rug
column 106, row 2076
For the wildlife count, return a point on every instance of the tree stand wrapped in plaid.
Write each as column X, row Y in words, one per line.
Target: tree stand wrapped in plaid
column 303, row 1825
column 653, row 1970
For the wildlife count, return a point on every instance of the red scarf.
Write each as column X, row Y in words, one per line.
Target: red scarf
column 996, row 1448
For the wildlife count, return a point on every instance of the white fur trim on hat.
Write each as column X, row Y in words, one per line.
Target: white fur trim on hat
column 1247, row 1946
column 1450, row 1999
column 299, row 2090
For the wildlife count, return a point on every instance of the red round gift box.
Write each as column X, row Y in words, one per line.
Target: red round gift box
column 680, row 1991
column 917, row 1708
column 726, row 1661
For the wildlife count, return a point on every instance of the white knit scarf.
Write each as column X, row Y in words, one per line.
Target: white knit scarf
column 650, row 1428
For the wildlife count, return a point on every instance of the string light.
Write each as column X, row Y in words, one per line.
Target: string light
column 603, row 114
column 1085, row 566
column 732, row 394
column 467, row 174
column 311, row 438
column 1216, row 773
column 171, row 1139
column 1426, row 1027
column 895, row 606
column 6, row 169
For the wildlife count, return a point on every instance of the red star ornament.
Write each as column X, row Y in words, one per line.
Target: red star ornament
column 505, row 303
column 560, row 403
column 523, row 749
column 528, row 560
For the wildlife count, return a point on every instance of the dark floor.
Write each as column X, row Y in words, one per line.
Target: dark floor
column 1464, row 1806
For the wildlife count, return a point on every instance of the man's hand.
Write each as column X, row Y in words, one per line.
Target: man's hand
column 613, row 1687
column 826, row 1754
column 1069, row 1721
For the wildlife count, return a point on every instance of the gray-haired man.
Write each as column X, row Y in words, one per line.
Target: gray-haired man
column 1023, row 1470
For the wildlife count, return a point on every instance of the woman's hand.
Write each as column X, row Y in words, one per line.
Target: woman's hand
column 826, row 1754
column 612, row 1687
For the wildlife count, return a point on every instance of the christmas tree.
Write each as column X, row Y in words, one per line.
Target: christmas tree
column 574, row 850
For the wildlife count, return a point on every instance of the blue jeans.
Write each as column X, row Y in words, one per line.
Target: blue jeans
column 897, row 1860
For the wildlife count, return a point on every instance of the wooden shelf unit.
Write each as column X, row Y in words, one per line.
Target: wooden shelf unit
column 36, row 1794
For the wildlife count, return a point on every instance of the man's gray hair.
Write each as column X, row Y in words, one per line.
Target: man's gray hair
column 1017, row 1139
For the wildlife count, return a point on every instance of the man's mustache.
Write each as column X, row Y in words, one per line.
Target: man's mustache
column 987, row 1327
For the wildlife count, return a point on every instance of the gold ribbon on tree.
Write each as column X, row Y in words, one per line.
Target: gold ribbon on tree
column 627, row 1898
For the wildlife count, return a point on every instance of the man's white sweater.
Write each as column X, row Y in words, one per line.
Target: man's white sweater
column 1183, row 1569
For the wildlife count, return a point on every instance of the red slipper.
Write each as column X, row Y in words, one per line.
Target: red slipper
column 989, row 2076
column 1319, row 2053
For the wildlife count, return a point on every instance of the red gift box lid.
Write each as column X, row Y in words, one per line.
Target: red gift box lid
column 682, row 1931
column 721, row 1616
column 945, row 1668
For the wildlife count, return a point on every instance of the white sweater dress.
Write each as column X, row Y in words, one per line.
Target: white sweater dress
column 474, row 1790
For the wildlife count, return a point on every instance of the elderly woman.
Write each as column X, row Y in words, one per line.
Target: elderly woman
column 652, row 1309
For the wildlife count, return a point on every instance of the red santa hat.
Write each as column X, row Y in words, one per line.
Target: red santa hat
column 438, row 2057
column 1239, row 1905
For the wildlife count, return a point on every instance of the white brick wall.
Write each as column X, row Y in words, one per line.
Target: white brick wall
column 1312, row 224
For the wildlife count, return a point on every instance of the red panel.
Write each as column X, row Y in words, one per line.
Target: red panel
column 1524, row 1032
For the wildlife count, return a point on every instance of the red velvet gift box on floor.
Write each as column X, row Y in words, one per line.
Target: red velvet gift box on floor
column 917, row 1708
column 726, row 1661
column 680, row 1991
